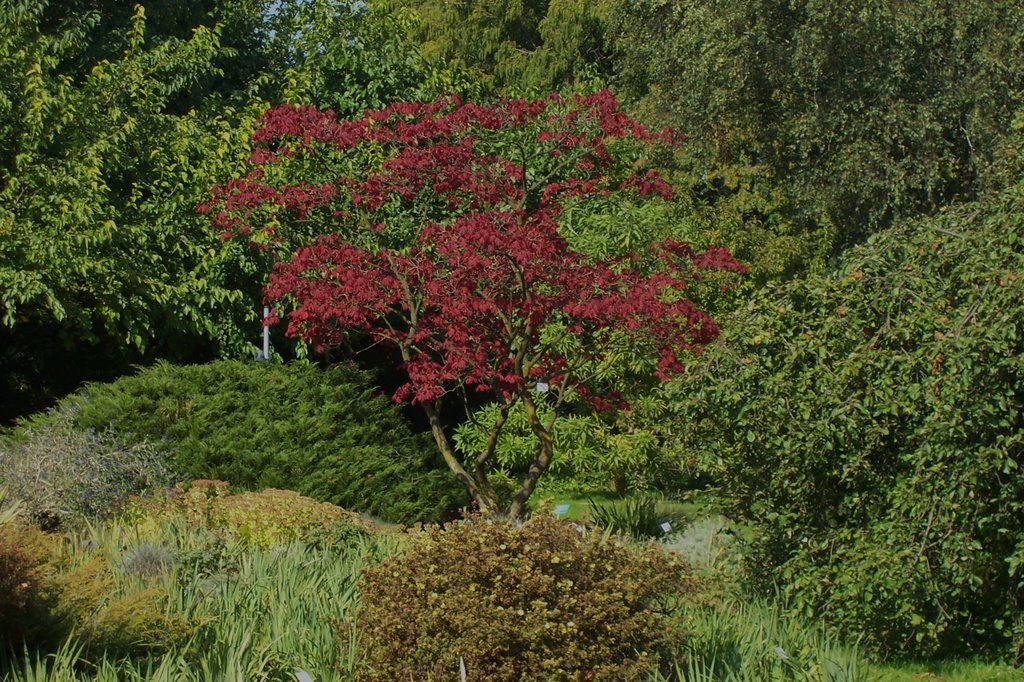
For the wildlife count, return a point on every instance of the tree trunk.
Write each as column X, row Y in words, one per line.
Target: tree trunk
column 540, row 464
column 480, row 490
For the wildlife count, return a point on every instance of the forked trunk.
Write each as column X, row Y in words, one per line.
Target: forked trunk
column 541, row 462
column 478, row 486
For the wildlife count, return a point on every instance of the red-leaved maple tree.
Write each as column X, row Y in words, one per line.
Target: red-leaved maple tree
column 434, row 228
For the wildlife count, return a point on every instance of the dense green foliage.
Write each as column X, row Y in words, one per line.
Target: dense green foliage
column 540, row 601
column 869, row 424
column 811, row 125
column 528, row 46
column 100, row 243
column 96, row 163
column 820, row 121
column 114, row 124
column 319, row 432
column 347, row 57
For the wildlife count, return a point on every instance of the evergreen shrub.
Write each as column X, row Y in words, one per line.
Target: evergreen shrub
column 869, row 424
column 321, row 432
column 541, row 601
column 63, row 474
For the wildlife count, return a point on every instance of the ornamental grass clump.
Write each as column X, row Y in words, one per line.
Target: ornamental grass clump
column 639, row 518
column 540, row 601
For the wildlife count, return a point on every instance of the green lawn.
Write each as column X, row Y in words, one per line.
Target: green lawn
column 950, row 671
column 579, row 504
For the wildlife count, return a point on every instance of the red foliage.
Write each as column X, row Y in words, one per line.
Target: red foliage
column 467, row 295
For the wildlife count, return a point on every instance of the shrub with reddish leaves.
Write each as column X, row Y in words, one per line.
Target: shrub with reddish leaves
column 434, row 229
column 542, row 601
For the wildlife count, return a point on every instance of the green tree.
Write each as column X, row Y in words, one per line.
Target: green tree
column 246, row 34
column 491, row 39
column 835, row 118
column 112, row 128
column 595, row 451
column 101, row 246
column 523, row 46
column 869, row 424
column 349, row 57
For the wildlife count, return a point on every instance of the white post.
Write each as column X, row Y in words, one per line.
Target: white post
column 266, row 333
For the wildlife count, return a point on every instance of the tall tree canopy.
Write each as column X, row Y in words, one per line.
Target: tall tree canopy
column 113, row 125
column 520, row 46
column 99, row 243
column 856, row 112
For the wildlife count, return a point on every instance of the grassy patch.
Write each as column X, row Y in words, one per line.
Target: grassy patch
column 166, row 598
column 157, row 595
column 948, row 671
column 579, row 504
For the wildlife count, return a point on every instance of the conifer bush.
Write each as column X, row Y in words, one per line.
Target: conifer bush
column 540, row 601
column 323, row 433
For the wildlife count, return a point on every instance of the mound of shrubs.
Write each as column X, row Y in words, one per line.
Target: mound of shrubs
column 264, row 518
column 24, row 550
column 542, row 601
column 869, row 423
column 320, row 432
column 62, row 474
